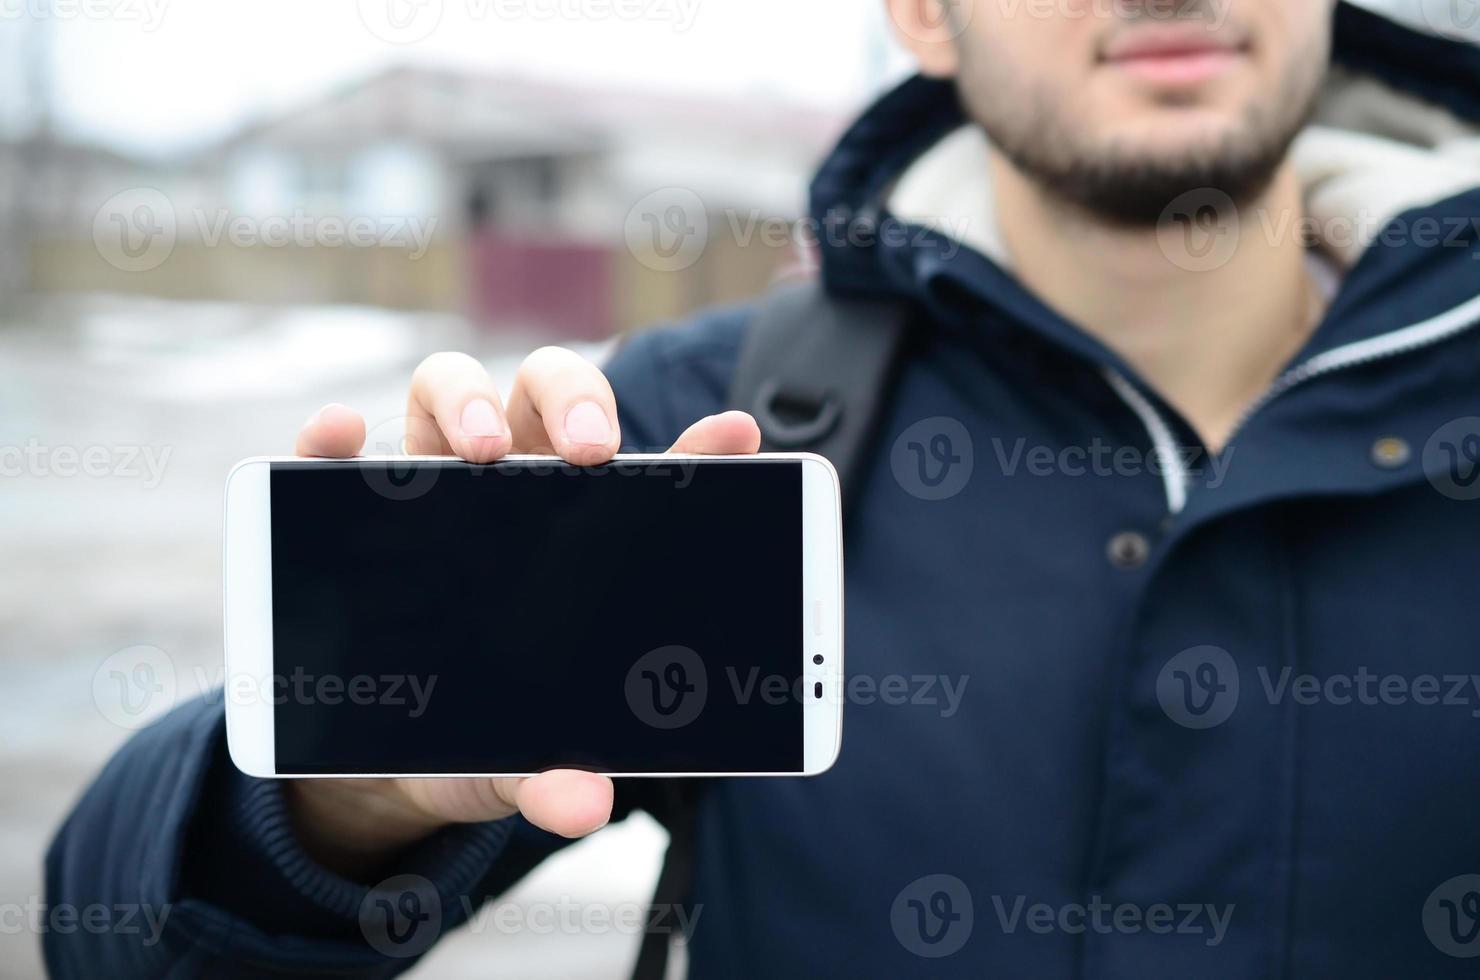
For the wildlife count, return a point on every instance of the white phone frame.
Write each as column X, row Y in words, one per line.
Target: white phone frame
column 247, row 595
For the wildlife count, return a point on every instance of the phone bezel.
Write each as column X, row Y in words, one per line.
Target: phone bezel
column 247, row 597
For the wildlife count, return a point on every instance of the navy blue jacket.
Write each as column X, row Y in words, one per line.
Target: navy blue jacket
column 1219, row 717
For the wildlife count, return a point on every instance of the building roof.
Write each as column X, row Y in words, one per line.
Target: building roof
column 487, row 115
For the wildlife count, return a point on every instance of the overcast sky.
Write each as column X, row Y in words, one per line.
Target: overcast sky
column 154, row 76
column 157, row 75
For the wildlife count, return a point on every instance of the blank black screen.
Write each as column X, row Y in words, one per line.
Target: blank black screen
column 441, row 617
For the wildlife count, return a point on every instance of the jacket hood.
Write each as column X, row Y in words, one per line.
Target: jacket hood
column 1391, row 160
column 1396, row 130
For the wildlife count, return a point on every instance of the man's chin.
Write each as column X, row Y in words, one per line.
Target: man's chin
column 1130, row 182
column 1136, row 193
column 1123, row 157
column 1160, row 133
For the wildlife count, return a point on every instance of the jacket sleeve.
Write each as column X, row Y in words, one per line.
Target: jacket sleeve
column 173, row 863
column 197, row 870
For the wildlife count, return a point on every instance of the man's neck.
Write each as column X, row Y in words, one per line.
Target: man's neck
column 1209, row 342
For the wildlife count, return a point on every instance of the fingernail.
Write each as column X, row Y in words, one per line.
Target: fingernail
column 480, row 420
column 586, row 424
column 320, row 413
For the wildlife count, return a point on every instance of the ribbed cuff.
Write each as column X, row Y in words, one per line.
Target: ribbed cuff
column 453, row 860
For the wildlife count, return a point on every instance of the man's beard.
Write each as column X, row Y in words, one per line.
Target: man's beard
column 1132, row 188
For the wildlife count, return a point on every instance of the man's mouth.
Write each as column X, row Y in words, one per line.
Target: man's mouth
column 1179, row 55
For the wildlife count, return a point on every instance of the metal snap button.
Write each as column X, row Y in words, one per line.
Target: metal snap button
column 1390, row 452
column 1128, row 550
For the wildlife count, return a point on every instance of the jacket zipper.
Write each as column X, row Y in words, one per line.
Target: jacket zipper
column 1405, row 340
column 1174, row 476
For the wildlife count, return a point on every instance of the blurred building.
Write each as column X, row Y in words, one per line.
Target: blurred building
column 527, row 204
column 47, row 190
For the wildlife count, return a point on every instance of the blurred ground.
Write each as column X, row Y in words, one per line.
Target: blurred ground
column 165, row 397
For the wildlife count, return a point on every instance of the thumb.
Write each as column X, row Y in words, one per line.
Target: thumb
column 726, row 434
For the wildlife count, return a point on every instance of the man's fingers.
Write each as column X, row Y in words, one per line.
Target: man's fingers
column 562, row 403
column 567, row 802
column 726, row 434
column 334, row 431
column 454, row 409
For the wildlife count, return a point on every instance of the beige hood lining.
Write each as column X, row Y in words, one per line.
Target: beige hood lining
column 1371, row 153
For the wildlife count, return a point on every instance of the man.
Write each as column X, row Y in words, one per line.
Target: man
column 1200, row 580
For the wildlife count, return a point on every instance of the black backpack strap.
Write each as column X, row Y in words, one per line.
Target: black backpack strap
column 678, row 811
column 814, row 371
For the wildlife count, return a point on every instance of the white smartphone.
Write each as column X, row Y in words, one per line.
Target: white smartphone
column 426, row 616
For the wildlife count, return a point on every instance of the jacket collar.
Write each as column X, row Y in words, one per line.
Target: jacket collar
column 1411, row 288
column 1395, row 102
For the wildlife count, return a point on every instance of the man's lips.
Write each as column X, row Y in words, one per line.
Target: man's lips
column 1172, row 56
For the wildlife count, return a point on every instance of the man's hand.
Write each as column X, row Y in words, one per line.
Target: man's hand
column 560, row 404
